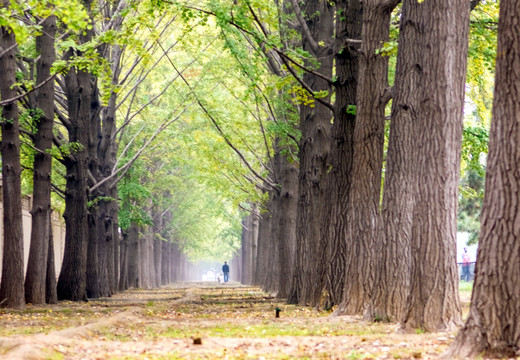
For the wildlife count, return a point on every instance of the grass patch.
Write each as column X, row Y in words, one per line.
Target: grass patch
column 265, row 329
column 465, row 287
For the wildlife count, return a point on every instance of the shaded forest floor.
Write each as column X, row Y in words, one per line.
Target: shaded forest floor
column 231, row 321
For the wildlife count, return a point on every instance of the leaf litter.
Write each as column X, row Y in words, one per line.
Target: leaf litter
column 202, row 320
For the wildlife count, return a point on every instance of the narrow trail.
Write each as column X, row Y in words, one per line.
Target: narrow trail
column 230, row 322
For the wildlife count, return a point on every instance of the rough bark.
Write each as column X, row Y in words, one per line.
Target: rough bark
column 315, row 123
column 72, row 280
column 363, row 213
column 433, row 304
column 398, row 193
column 12, row 287
column 339, row 177
column 270, row 283
column 79, row 91
column 42, row 166
column 93, row 290
column 286, row 234
column 106, row 159
column 102, row 157
column 51, row 294
column 493, row 325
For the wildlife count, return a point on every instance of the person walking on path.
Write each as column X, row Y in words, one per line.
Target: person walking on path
column 225, row 270
column 466, row 261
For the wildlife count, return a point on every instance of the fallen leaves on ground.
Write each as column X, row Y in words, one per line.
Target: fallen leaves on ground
column 230, row 321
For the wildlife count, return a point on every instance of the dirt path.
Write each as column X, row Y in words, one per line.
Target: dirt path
column 230, row 321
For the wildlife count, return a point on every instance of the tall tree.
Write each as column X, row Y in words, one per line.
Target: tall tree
column 493, row 323
column 286, row 234
column 393, row 281
column 79, row 89
column 363, row 213
column 332, row 252
column 12, row 286
column 315, row 123
column 433, row 303
column 35, row 281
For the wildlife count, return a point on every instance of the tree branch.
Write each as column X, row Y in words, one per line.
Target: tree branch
column 16, row 98
column 305, row 29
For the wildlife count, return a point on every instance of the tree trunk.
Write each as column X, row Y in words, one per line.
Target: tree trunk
column 254, row 240
column 363, row 215
column 246, row 250
column 174, row 263
column 493, row 325
column 263, row 255
column 51, row 295
column 151, row 258
column 157, row 249
column 334, row 220
column 144, row 241
column 116, row 245
column 12, row 287
column 134, row 255
column 72, row 280
column 315, row 125
column 105, row 239
column 35, row 282
column 93, row 290
column 165, row 268
column 123, row 270
column 176, row 266
column 107, row 155
column 72, row 283
column 393, row 282
column 433, row 304
column 236, row 268
column 270, row 283
column 286, row 228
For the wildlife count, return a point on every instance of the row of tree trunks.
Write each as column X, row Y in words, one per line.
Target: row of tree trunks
column 400, row 264
column 269, row 264
column 93, row 256
column 149, row 265
column 102, row 159
column 250, row 227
